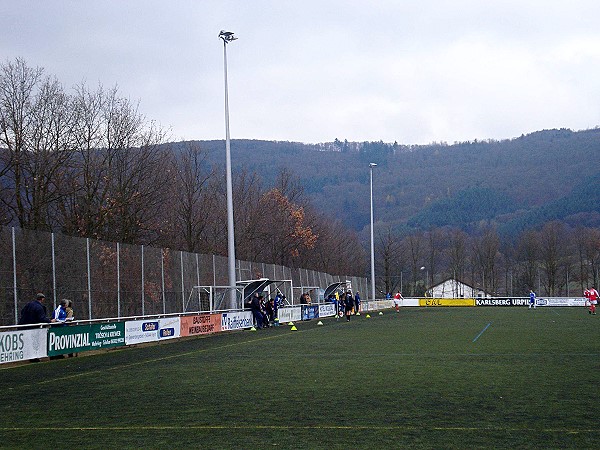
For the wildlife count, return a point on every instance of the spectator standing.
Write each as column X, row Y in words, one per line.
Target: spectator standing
column 308, row 299
column 69, row 309
column 303, row 299
column 60, row 313
column 348, row 305
column 256, row 311
column 34, row 311
column 270, row 311
column 357, row 303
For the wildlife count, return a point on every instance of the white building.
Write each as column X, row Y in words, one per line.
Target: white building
column 452, row 288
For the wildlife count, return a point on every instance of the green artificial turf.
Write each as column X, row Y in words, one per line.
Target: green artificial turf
column 422, row 378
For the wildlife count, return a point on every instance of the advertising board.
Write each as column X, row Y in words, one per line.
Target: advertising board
column 310, row 312
column 562, row 301
column 289, row 314
column 327, row 310
column 502, row 301
column 236, row 320
column 22, row 345
column 446, row 302
column 524, row 301
column 140, row 331
column 81, row 338
column 202, row 324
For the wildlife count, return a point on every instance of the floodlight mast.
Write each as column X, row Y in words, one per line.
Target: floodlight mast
column 371, row 166
column 227, row 36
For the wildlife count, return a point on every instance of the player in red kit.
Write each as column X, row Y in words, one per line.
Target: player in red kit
column 592, row 296
column 398, row 301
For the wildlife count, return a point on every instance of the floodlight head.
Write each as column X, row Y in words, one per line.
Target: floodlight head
column 372, row 165
column 227, row 36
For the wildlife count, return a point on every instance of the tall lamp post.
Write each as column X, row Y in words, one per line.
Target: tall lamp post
column 426, row 280
column 371, row 166
column 227, row 37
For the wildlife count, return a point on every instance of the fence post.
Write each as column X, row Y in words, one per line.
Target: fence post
column 162, row 275
column 182, row 285
column 53, row 271
column 118, row 280
column 89, row 280
column 143, row 303
column 14, row 252
column 214, row 271
column 198, row 279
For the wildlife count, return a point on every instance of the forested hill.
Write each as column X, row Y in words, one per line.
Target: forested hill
column 517, row 183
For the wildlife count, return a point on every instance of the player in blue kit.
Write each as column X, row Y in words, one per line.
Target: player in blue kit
column 531, row 298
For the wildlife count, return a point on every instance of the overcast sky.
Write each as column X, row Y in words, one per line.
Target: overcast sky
column 414, row 72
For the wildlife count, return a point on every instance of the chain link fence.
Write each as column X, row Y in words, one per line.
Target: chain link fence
column 107, row 279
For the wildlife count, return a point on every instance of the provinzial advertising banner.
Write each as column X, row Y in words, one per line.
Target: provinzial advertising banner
column 22, row 345
column 203, row 324
column 81, row 338
column 446, row 302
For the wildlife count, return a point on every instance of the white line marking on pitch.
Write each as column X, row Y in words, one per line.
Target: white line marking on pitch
column 482, row 331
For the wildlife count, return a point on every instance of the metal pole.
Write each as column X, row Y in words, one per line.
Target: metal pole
column 89, row 280
column 118, row 280
column 214, row 271
column 53, row 272
column 371, row 165
column 198, row 280
column 143, row 305
column 162, row 275
column 228, row 37
column 14, row 253
column 182, row 285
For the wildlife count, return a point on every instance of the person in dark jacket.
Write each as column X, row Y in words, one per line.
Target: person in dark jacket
column 34, row 311
column 357, row 303
column 349, row 305
column 257, row 310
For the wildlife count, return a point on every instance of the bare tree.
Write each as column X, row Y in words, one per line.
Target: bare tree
column 19, row 85
column 414, row 246
column 194, row 202
column 250, row 220
column 337, row 249
column 389, row 259
column 435, row 239
column 587, row 242
column 50, row 157
column 458, row 254
column 485, row 252
column 114, row 192
column 528, row 251
column 552, row 248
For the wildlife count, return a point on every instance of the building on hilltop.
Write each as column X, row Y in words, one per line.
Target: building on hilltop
column 453, row 288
